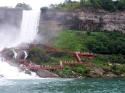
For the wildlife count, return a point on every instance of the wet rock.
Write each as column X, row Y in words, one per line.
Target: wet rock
column 28, row 71
column 85, row 19
column 122, row 75
column 96, row 72
column 46, row 74
column 111, row 75
column 23, row 68
column 7, row 54
column 21, row 55
column 16, row 54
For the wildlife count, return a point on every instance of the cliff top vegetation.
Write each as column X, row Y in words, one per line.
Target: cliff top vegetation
column 108, row 5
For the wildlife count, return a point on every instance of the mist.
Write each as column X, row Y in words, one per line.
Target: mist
column 8, row 36
column 12, row 37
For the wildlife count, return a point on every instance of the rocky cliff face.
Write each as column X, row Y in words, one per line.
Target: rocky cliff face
column 103, row 20
column 49, row 26
column 84, row 20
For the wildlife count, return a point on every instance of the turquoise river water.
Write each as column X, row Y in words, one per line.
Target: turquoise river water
column 87, row 85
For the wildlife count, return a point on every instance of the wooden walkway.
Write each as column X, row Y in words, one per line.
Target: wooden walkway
column 76, row 63
column 34, row 67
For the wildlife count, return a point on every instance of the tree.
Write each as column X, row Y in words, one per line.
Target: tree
column 68, row 40
column 85, row 2
column 68, row 1
column 120, row 4
column 82, row 2
column 108, row 5
column 23, row 6
column 96, row 3
column 106, row 43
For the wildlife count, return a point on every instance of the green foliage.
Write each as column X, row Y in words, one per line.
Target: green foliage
column 82, row 2
column 72, row 71
column 106, row 43
column 103, row 60
column 81, row 69
column 100, row 60
column 117, row 59
column 68, row 40
column 118, row 68
column 68, row 1
column 67, row 5
column 38, row 56
column 109, row 5
column 109, row 46
column 85, row 3
column 97, row 42
column 120, row 5
column 66, row 72
column 95, row 3
column 23, row 6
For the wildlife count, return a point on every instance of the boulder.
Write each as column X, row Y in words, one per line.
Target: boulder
column 7, row 54
column 96, row 72
column 28, row 71
column 46, row 74
column 122, row 75
column 22, row 54
column 111, row 75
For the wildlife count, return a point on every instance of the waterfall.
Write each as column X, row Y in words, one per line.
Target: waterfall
column 27, row 34
column 15, row 54
column 29, row 27
column 26, row 55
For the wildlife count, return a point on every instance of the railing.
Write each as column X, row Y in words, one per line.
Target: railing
column 76, row 63
column 35, row 67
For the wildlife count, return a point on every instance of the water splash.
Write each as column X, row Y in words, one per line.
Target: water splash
column 10, row 72
column 28, row 33
column 26, row 55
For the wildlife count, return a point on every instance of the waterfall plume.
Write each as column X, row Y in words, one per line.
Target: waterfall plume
column 27, row 33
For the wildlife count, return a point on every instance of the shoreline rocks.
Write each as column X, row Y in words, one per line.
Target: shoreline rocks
column 46, row 74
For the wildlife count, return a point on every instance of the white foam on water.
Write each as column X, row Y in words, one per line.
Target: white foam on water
column 10, row 72
column 28, row 32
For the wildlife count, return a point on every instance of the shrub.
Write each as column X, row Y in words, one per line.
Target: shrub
column 38, row 56
column 117, row 68
column 68, row 40
column 106, row 42
column 81, row 69
column 117, row 59
column 66, row 72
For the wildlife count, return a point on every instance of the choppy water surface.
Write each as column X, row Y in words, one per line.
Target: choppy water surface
column 63, row 86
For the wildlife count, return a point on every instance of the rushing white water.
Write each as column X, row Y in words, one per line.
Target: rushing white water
column 29, row 27
column 15, row 54
column 10, row 72
column 26, row 55
column 27, row 34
